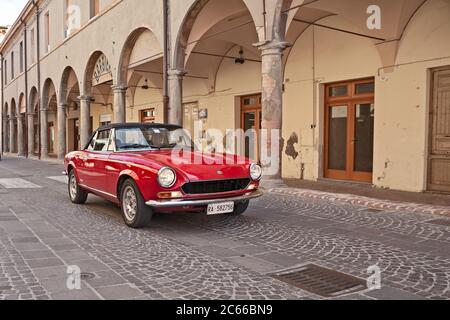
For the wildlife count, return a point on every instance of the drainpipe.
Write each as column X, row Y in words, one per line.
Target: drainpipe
column 38, row 68
column 3, row 104
column 166, row 61
column 25, row 53
column 265, row 19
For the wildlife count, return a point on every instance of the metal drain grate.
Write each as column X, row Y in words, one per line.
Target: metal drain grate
column 321, row 281
column 440, row 222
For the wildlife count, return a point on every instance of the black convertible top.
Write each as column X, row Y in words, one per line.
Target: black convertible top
column 139, row 125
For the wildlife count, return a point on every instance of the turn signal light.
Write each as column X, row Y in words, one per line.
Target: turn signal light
column 251, row 187
column 170, row 195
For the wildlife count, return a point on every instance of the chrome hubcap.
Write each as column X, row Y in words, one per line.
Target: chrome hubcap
column 129, row 204
column 73, row 187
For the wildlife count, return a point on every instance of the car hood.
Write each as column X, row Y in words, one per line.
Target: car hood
column 197, row 166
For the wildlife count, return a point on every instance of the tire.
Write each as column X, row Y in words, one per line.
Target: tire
column 240, row 208
column 76, row 194
column 136, row 214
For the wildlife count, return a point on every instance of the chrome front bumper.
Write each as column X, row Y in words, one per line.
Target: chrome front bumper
column 167, row 204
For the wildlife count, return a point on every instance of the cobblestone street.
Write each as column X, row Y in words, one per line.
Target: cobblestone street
column 192, row 256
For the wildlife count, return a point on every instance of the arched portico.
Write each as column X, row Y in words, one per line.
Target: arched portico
column 13, row 127
column 5, row 113
column 220, row 32
column 96, row 103
column 32, row 121
column 49, row 126
column 69, row 102
column 140, row 77
column 21, row 126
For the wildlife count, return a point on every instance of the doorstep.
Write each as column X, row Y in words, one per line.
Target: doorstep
column 367, row 195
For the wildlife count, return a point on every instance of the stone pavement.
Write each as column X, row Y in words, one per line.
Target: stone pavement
column 185, row 256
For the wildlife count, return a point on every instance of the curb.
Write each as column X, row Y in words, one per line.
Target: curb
column 365, row 201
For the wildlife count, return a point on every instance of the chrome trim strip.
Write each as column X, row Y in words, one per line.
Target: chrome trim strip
column 197, row 203
column 98, row 191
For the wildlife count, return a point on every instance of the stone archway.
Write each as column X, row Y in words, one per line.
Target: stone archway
column 21, row 126
column 49, row 125
column 33, row 125
column 6, row 115
column 13, row 127
column 96, row 103
column 140, row 77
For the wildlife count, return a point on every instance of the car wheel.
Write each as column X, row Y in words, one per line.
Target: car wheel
column 240, row 208
column 77, row 195
column 136, row 213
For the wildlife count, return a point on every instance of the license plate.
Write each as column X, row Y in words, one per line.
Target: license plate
column 220, row 208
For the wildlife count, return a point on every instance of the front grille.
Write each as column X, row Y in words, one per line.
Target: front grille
column 206, row 187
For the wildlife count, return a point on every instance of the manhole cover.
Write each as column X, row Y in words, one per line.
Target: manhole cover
column 321, row 281
column 87, row 276
column 440, row 222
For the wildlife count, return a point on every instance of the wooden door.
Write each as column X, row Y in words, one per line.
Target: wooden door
column 251, row 119
column 439, row 159
column 349, row 130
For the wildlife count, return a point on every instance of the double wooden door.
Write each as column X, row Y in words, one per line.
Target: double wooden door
column 349, row 134
column 439, row 157
column 251, row 120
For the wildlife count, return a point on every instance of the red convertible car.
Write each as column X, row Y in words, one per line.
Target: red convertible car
column 148, row 168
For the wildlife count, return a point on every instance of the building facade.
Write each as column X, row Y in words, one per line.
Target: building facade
column 359, row 89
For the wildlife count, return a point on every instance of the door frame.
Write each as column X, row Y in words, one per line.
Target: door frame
column 430, row 187
column 351, row 100
column 257, row 109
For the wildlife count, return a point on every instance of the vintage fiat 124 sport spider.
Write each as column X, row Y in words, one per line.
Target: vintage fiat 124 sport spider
column 148, row 168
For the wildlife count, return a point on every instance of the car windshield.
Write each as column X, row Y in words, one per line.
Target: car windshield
column 152, row 138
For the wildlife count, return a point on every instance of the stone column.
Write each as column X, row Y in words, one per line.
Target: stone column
column 175, row 111
column 272, row 142
column 12, row 135
column 44, row 133
column 61, row 116
column 120, row 103
column 85, row 120
column 30, row 132
column 20, row 140
column 4, row 133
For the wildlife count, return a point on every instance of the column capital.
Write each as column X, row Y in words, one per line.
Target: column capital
column 62, row 105
column 273, row 47
column 176, row 73
column 85, row 98
column 119, row 88
column 20, row 116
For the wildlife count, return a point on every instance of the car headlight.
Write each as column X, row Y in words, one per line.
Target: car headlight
column 255, row 172
column 166, row 177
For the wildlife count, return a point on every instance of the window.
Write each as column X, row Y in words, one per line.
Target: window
column 47, row 32
column 100, row 142
column 32, row 46
column 12, row 65
column 95, row 8
column 21, row 57
column 6, row 72
column 148, row 116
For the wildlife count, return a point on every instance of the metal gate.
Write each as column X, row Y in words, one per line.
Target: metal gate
column 439, row 161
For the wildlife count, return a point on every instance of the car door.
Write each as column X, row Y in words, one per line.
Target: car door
column 95, row 161
column 84, row 164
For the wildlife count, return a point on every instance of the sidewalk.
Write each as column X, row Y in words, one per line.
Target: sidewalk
column 366, row 195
